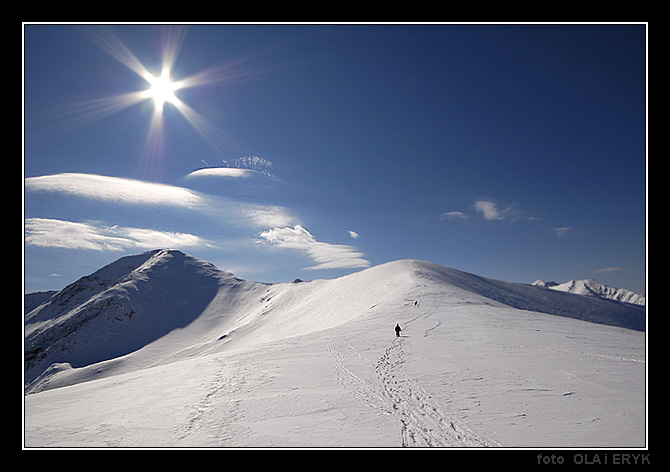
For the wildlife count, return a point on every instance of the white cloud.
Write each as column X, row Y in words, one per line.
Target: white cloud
column 607, row 269
column 240, row 167
column 326, row 255
column 114, row 189
column 255, row 163
column 222, row 172
column 453, row 215
column 269, row 216
column 353, row 234
column 560, row 231
column 94, row 236
column 489, row 210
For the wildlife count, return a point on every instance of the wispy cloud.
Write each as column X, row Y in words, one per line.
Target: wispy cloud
column 561, row 231
column 45, row 232
column 490, row 211
column 266, row 216
column 325, row 255
column 241, row 167
column 254, row 163
column 453, row 215
column 114, row 189
column 226, row 213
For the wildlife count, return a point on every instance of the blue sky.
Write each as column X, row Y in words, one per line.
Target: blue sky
column 516, row 152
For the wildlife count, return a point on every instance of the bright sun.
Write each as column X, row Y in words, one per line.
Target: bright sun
column 162, row 90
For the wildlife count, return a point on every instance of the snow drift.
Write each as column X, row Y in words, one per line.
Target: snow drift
column 163, row 331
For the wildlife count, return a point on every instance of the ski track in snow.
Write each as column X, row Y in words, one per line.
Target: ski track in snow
column 421, row 422
column 217, row 402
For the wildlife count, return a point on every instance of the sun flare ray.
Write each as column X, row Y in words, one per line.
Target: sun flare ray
column 161, row 89
column 105, row 39
column 58, row 119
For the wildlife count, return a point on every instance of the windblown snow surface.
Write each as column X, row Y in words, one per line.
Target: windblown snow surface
column 164, row 350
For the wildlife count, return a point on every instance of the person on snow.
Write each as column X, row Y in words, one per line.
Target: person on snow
column 397, row 330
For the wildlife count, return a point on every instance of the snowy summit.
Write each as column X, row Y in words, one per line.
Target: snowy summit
column 592, row 288
column 162, row 349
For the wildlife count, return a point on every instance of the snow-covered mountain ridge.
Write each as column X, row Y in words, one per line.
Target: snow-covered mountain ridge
column 139, row 300
column 163, row 349
column 593, row 288
column 120, row 308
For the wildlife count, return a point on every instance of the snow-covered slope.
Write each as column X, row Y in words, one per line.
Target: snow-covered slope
column 121, row 308
column 161, row 349
column 33, row 300
column 593, row 288
column 174, row 306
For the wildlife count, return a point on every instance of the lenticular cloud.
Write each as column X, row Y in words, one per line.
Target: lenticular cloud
column 44, row 232
column 326, row 255
column 114, row 189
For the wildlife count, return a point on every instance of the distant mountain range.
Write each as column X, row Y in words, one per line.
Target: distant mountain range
column 593, row 288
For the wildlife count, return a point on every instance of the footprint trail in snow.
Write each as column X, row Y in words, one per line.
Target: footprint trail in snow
column 421, row 421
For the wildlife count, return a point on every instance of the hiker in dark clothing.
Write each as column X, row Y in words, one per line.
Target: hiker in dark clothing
column 397, row 330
